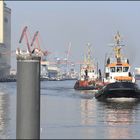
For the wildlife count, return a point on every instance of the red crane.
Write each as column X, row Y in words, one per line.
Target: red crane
column 38, row 49
column 24, row 34
column 35, row 38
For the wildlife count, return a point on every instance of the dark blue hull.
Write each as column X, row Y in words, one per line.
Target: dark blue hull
column 118, row 90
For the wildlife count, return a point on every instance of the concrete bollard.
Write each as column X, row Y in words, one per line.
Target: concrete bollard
column 28, row 97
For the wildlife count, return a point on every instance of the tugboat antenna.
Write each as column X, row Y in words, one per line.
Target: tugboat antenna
column 117, row 48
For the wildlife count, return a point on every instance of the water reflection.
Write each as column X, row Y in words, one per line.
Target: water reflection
column 4, row 115
column 87, row 107
column 87, row 94
column 87, row 112
column 88, row 117
column 119, row 116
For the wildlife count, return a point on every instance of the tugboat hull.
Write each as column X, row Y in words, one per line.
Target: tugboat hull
column 119, row 90
column 83, row 86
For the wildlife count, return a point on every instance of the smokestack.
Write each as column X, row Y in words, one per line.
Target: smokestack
column 1, row 21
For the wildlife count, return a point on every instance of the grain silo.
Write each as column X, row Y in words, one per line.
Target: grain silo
column 5, row 40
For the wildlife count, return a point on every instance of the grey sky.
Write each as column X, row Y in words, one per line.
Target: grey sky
column 79, row 22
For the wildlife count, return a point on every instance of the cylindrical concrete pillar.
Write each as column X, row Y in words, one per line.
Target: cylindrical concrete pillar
column 28, row 97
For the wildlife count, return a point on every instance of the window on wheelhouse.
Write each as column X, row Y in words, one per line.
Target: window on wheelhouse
column 112, row 69
column 119, row 69
column 125, row 69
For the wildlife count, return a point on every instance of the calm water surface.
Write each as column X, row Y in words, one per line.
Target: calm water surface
column 66, row 113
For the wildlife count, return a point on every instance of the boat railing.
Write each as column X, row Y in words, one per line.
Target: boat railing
column 112, row 60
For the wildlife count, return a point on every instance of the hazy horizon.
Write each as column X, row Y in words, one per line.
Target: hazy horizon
column 78, row 22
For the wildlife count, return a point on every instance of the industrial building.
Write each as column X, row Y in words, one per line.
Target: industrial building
column 5, row 40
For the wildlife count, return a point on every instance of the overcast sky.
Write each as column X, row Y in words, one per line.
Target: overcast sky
column 79, row 22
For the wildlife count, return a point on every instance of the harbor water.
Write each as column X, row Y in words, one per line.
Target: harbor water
column 67, row 113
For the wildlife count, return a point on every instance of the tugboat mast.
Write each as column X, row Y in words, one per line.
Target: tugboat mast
column 117, row 48
column 87, row 59
column 89, row 54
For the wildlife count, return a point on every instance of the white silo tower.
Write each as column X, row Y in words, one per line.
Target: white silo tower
column 5, row 40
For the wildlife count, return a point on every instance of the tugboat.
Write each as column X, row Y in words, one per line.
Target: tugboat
column 88, row 74
column 118, row 81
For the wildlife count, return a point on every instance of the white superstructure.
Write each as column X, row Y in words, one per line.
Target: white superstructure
column 137, row 71
column 89, row 67
column 117, row 67
column 5, row 40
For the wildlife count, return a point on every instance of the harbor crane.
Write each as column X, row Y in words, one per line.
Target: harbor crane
column 35, row 42
column 24, row 34
column 38, row 49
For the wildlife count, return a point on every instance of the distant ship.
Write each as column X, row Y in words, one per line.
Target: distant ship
column 89, row 76
column 5, row 40
column 49, row 72
column 137, row 73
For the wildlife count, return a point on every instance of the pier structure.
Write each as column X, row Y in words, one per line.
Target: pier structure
column 28, row 97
